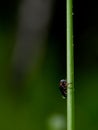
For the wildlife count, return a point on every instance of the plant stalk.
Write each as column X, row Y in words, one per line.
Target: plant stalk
column 70, row 68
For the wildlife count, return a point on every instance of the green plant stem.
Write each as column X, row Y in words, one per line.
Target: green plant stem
column 70, row 68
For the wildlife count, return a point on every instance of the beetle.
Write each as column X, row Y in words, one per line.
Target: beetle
column 63, row 87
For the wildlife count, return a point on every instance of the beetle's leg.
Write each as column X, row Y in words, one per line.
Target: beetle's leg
column 68, row 84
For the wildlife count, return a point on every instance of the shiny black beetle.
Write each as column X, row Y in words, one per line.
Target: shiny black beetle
column 63, row 87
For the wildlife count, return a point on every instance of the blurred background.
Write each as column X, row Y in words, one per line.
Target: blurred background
column 33, row 61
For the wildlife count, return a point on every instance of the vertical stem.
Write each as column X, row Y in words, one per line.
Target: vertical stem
column 70, row 68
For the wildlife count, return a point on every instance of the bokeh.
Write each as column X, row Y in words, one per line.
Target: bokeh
column 33, row 61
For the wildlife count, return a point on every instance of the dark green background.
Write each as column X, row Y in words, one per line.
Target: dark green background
column 41, row 100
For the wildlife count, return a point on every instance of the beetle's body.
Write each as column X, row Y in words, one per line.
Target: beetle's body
column 63, row 87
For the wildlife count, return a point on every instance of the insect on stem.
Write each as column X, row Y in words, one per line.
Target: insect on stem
column 63, row 87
